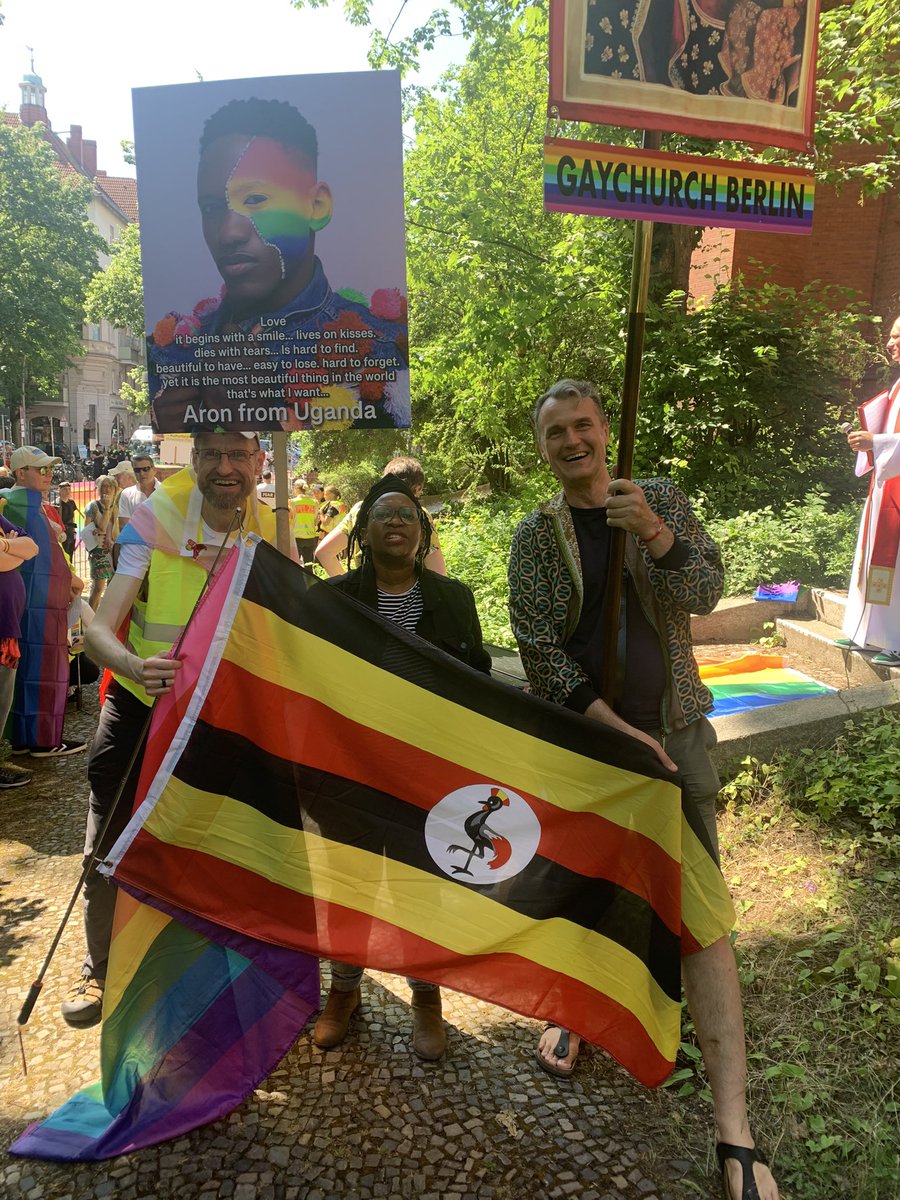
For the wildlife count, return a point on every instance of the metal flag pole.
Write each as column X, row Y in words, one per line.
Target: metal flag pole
column 631, row 388
column 282, row 511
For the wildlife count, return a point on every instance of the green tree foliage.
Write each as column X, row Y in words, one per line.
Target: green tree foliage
column 48, row 253
column 859, row 93
column 503, row 297
column 116, row 293
column 741, row 398
column 136, row 393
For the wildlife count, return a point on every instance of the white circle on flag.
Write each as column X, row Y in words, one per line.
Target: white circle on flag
column 482, row 833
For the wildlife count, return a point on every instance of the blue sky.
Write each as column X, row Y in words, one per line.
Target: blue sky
column 90, row 56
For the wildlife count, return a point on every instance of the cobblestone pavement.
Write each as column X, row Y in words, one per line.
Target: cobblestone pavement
column 365, row 1120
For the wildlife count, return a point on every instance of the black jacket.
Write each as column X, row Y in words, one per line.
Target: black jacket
column 449, row 618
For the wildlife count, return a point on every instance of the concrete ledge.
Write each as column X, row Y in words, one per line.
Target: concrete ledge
column 813, row 721
column 814, row 642
column 741, row 618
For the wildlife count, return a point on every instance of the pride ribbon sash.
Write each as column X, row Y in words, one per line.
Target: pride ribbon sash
column 652, row 185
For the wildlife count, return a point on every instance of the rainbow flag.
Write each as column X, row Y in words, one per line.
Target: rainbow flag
column 42, row 677
column 755, row 681
column 194, row 1015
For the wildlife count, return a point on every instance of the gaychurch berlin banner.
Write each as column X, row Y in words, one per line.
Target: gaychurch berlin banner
column 322, row 781
column 273, row 252
column 733, row 69
column 651, row 185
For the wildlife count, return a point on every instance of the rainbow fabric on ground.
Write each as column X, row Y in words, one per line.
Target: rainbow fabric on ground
column 323, row 781
column 755, row 681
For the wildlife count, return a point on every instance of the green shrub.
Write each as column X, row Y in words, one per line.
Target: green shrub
column 803, row 541
column 475, row 539
column 855, row 782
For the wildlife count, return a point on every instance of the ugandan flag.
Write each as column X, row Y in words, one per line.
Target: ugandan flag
column 321, row 782
column 338, row 786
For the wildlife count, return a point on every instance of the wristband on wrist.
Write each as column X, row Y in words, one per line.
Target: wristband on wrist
column 654, row 536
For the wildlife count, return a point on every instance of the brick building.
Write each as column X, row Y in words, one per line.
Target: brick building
column 87, row 409
column 853, row 245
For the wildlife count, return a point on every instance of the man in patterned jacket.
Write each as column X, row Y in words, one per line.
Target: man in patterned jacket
column 557, row 583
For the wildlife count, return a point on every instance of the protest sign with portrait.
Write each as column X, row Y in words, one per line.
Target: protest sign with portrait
column 272, row 244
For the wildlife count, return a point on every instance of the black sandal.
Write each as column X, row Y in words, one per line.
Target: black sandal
column 561, row 1050
column 746, row 1156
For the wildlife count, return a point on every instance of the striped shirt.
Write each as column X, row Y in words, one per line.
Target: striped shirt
column 406, row 608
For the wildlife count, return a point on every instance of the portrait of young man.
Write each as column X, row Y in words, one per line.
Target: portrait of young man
column 277, row 334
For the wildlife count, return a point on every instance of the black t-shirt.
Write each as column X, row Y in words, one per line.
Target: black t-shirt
column 641, row 657
column 67, row 512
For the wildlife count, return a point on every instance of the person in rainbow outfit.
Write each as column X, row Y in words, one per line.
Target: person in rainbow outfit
column 261, row 205
column 167, row 549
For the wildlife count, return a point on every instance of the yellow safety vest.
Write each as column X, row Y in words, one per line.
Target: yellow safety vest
column 174, row 581
column 304, row 512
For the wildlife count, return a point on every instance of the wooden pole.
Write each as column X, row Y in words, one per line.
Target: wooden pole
column 631, row 389
column 282, row 513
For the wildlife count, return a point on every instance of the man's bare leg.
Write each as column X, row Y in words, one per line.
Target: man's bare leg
column 714, row 998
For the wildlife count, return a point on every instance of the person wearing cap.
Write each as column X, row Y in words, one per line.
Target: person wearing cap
column 42, row 677
column 143, row 469
column 123, row 474
column 265, row 489
column 166, row 552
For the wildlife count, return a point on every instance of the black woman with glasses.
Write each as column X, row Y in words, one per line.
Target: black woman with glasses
column 394, row 535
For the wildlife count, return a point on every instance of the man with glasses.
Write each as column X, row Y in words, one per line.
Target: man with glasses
column 42, row 677
column 167, row 549
column 144, row 470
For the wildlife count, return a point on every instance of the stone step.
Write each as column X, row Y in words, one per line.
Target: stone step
column 828, row 606
column 743, row 619
column 814, row 642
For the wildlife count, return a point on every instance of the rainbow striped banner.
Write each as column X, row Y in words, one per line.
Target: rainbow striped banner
column 756, row 681
column 682, row 189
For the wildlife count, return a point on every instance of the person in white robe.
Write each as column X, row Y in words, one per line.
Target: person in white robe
column 872, row 616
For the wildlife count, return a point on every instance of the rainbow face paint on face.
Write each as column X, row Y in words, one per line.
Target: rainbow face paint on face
column 277, row 194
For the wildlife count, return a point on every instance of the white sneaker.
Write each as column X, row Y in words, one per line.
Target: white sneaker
column 59, row 751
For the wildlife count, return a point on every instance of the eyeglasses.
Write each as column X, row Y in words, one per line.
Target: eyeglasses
column 383, row 513
column 215, row 456
column 42, row 470
column 144, row 470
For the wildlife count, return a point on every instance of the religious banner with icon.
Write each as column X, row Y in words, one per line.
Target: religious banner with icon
column 742, row 69
column 273, row 252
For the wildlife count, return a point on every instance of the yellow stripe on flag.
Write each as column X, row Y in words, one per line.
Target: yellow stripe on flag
column 135, row 929
column 277, row 652
column 463, row 921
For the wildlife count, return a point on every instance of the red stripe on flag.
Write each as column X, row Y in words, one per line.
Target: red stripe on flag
column 207, row 885
column 586, row 843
